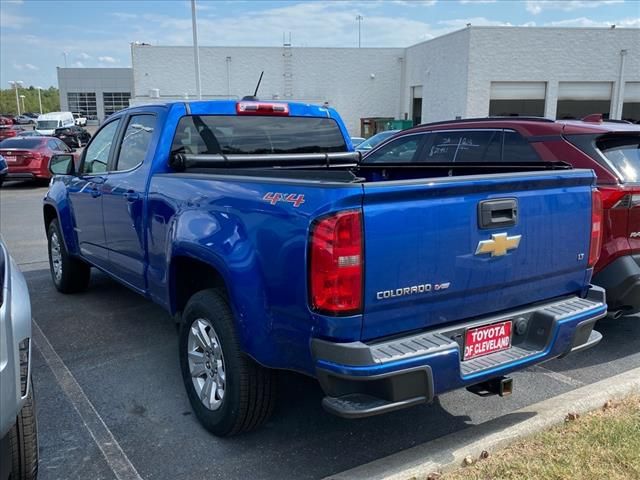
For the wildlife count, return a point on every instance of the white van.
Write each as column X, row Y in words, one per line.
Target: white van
column 48, row 122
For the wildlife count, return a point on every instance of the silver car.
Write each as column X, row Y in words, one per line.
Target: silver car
column 18, row 430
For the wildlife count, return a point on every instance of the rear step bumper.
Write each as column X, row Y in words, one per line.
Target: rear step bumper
column 362, row 379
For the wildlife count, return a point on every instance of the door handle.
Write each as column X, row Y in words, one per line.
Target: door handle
column 95, row 190
column 131, row 196
column 498, row 213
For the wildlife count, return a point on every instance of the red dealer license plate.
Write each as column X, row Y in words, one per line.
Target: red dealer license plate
column 487, row 339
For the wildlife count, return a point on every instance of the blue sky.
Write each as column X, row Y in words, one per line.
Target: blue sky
column 35, row 33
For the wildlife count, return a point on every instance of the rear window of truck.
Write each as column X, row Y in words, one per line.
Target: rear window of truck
column 254, row 135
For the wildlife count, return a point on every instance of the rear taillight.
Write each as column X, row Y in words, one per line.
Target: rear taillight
column 33, row 157
column 620, row 198
column 596, row 227
column 335, row 263
column 262, row 108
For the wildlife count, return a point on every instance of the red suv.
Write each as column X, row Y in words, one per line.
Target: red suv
column 609, row 148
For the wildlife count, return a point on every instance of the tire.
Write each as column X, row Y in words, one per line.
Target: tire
column 23, row 440
column 69, row 274
column 249, row 390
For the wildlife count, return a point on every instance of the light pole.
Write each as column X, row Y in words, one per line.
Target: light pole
column 196, row 54
column 65, row 59
column 17, row 84
column 40, row 99
column 359, row 19
column 23, row 109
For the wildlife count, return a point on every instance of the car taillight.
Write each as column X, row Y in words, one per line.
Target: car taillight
column 596, row 227
column 335, row 263
column 620, row 198
column 262, row 108
column 33, row 157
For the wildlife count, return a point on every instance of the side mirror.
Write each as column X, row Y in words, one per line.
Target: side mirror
column 62, row 164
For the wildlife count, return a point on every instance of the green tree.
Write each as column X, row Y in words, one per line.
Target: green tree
column 50, row 100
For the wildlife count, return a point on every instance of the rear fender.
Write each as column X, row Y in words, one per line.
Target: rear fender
column 220, row 242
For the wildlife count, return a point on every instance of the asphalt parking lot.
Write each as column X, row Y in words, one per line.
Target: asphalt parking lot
column 122, row 352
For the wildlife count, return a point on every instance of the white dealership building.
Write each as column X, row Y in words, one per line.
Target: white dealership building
column 95, row 92
column 473, row 72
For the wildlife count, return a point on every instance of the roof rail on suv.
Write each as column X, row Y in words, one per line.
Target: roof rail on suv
column 484, row 119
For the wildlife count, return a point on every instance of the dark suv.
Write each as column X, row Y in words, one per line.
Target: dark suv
column 609, row 148
column 73, row 136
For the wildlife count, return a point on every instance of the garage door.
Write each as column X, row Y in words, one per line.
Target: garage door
column 584, row 91
column 518, row 90
column 632, row 92
column 510, row 99
column 631, row 103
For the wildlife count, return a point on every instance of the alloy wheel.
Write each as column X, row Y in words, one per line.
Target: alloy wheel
column 206, row 363
column 56, row 256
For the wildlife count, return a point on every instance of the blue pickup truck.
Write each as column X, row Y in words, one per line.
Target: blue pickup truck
column 257, row 227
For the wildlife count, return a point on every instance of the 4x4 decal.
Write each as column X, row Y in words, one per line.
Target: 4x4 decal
column 296, row 198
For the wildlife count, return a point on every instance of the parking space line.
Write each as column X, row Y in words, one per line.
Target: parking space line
column 558, row 376
column 117, row 460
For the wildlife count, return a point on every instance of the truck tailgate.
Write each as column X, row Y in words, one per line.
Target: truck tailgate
column 435, row 254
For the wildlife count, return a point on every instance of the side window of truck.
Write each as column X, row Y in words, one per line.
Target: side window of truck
column 135, row 141
column 402, row 150
column 97, row 153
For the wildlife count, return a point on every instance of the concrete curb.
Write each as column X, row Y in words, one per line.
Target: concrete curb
column 448, row 452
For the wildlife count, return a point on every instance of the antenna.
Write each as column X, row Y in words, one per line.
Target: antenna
column 255, row 94
column 254, row 97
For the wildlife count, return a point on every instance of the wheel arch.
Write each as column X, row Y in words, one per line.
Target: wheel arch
column 188, row 276
column 57, row 206
column 49, row 214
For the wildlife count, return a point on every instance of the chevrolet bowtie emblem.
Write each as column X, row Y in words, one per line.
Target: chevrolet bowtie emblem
column 499, row 244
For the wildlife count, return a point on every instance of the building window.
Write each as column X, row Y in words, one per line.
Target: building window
column 114, row 101
column 82, row 102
